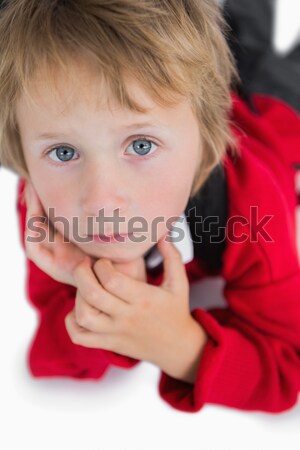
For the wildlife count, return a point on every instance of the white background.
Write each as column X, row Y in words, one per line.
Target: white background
column 123, row 410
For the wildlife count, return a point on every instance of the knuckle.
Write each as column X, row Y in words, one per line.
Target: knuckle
column 92, row 295
column 83, row 319
column 112, row 281
column 97, row 265
column 70, row 330
column 109, row 279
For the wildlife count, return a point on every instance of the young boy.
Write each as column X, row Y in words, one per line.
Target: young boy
column 125, row 106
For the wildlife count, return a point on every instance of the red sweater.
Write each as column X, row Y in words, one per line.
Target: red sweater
column 251, row 360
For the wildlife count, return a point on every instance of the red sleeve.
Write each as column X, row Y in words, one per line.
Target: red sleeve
column 51, row 352
column 251, row 360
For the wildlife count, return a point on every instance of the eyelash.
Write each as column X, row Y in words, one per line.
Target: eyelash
column 145, row 157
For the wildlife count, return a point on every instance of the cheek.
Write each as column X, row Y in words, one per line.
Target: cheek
column 169, row 193
column 58, row 204
column 174, row 183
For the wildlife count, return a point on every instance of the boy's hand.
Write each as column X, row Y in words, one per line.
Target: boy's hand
column 58, row 259
column 135, row 269
column 129, row 316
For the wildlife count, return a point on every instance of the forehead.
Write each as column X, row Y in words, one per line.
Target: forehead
column 83, row 92
column 81, row 81
column 58, row 92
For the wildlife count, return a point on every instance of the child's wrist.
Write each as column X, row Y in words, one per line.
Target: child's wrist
column 182, row 362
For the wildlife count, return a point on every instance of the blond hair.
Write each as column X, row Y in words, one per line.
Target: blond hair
column 173, row 48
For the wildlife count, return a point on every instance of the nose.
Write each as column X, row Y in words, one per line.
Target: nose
column 103, row 189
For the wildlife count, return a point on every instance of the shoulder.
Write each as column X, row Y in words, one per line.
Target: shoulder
column 265, row 156
column 261, row 196
column 271, row 124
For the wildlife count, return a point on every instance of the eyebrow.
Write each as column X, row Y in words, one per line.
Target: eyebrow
column 49, row 135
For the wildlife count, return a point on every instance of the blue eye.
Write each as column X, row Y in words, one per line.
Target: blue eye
column 142, row 146
column 63, row 153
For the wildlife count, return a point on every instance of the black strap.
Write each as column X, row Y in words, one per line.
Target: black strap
column 207, row 214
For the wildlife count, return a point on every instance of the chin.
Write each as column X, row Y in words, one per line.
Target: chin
column 115, row 255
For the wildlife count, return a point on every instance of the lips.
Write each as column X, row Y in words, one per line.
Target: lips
column 110, row 238
column 109, row 235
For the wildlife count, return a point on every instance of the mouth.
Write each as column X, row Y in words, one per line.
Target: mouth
column 112, row 238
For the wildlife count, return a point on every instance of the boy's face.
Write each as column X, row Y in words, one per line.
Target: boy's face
column 95, row 167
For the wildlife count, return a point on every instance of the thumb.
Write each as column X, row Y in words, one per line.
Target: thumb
column 175, row 277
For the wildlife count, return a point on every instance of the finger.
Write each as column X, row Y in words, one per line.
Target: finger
column 37, row 218
column 117, row 283
column 35, row 235
column 91, row 318
column 86, row 338
column 135, row 269
column 37, row 252
column 37, row 211
column 175, row 277
column 92, row 291
column 37, row 243
column 33, row 202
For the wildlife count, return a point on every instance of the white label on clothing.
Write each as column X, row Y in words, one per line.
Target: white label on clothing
column 185, row 245
column 182, row 241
